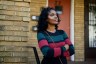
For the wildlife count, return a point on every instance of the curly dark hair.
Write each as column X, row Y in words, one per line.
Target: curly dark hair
column 42, row 22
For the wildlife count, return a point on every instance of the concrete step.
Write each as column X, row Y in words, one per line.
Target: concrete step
column 82, row 62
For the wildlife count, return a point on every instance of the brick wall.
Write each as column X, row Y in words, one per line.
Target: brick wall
column 35, row 9
column 79, row 30
column 14, row 28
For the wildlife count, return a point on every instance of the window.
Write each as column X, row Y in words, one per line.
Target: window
column 92, row 25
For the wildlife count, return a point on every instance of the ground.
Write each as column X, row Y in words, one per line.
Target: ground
column 87, row 62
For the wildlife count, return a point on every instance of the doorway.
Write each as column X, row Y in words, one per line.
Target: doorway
column 90, row 29
column 64, row 6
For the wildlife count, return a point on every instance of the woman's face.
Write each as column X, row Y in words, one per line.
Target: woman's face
column 52, row 17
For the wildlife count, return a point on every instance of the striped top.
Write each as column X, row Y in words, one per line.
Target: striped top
column 56, row 49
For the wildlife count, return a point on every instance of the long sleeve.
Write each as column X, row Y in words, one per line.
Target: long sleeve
column 71, row 50
column 46, row 50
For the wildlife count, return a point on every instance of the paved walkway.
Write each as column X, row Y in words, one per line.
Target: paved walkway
column 87, row 62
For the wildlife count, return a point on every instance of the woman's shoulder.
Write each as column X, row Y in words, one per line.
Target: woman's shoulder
column 40, row 31
column 62, row 31
column 40, row 35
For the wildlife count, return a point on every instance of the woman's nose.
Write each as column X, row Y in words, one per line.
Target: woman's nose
column 55, row 17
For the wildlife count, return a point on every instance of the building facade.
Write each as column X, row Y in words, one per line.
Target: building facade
column 18, row 20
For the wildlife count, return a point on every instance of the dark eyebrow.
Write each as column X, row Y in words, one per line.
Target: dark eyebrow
column 53, row 13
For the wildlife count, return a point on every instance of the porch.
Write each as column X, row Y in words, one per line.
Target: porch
column 82, row 62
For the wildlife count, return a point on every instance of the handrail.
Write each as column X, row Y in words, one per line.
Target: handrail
column 36, row 54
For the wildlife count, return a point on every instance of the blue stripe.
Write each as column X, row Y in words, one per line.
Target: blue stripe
column 55, row 38
column 40, row 36
column 45, row 50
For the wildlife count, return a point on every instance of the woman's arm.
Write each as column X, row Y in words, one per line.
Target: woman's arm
column 46, row 50
column 67, row 41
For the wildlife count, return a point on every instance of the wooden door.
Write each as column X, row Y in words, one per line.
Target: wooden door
column 90, row 30
column 65, row 15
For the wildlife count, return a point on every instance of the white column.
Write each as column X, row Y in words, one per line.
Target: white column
column 72, row 25
column 46, row 3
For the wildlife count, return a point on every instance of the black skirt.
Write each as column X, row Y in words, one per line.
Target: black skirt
column 53, row 60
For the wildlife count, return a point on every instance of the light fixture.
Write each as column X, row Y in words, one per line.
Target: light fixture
column 35, row 18
column 58, row 7
column 34, row 28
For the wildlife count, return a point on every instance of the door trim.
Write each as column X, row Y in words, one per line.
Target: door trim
column 72, row 25
column 46, row 3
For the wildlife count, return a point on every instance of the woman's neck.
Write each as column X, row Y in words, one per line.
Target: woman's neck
column 51, row 28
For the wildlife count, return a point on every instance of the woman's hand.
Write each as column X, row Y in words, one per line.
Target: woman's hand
column 66, row 46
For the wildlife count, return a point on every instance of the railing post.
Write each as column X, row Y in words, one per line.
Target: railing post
column 36, row 55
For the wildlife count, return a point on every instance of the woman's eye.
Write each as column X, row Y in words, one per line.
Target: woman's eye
column 52, row 14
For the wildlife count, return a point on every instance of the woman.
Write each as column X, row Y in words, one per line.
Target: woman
column 54, row 44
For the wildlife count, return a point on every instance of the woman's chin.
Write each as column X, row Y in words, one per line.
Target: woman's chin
column 55, row 23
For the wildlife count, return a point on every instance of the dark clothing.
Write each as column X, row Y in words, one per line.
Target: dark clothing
column 54, row 60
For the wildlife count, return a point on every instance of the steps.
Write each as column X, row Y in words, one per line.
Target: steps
column 82, row 62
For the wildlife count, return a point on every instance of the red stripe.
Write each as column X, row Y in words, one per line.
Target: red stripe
column 66, row 53
column 60, row 44
column 57, row 52
column 43, row 43
column 54, row 45
column 67, row 41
